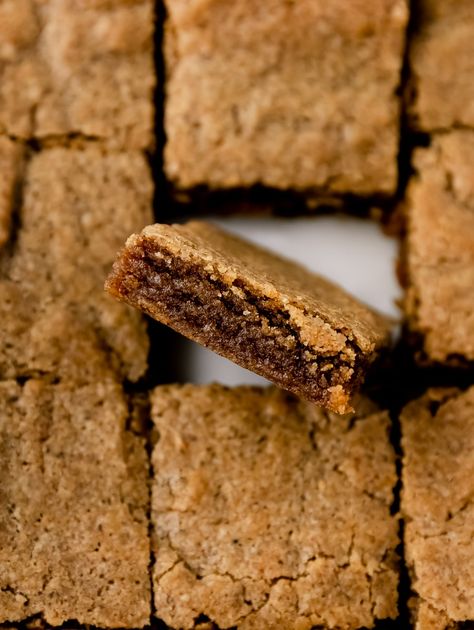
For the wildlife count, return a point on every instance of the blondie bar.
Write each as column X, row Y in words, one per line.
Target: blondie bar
column 260, row 310
column 298, row 95
column 269, row 513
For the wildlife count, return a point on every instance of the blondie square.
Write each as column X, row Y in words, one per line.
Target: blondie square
column 11, row 160
column 78, row 207
column 73, row 506
column 440, row 248
column 269, row 513
column 295, row 95
column 442, row 65
column 438, row 507
column 264, row 312
column 43, row 336
column 82, row 67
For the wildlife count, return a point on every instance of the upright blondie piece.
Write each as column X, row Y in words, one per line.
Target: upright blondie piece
column 262, row 311
column 78, row 205
column 440, row 248
column 442, row 65
column 268, row 513
column 73, row 506
column 438, row 505
column 69, row 67
column 287, row 94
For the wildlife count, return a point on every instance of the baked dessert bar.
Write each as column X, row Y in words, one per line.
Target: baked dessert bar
column 438, row 507
column 262, row 311
column 441, row 63
column 270, row 513
column 78, row 207
column 11, row 159
column 50, row 337
column 297, row 95
column 73, row 506
column 439, row 256
column 86, row 68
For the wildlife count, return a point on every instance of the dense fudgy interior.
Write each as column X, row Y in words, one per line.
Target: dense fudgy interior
column 232, row 321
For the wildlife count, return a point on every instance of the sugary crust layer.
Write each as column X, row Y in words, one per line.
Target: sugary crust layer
column 440, row 247
column 69, row 67
column 74, row 537
column 291, row 95
column 267, row 512
column 78, row 206
column 262, row 311
column 438, row 506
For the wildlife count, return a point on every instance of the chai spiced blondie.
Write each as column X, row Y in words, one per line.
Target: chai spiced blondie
column 439, row 248
column 269, row 512
column 71, row 68
column 78, row 205
column 438, row 507
column 293, row 95
column 262, row 311
column 74, row 540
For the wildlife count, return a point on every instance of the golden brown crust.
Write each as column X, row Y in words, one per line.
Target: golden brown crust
column 78, row 206
column 438, row 506
column 305, row 295
column 290, row 95
column 73, row 542
column 268, row 512
column 85, row 68
column 440, row 247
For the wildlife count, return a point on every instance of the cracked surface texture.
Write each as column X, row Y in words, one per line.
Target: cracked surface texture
column 73, row 500
column 78, row 205
column 254, row 307
column 50, row 337
column 78, row 67
column 442, row 65
column 287, row 94
column 440, row 247
column 11, row 160
column 269, row 512
column 438, row 505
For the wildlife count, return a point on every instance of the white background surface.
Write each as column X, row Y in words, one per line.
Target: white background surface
column 355, row 253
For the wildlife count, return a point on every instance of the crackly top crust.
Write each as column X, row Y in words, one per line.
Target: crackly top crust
column 69, row 67
column 441, row 61
column 440, row 246
column 46, row 336
column 269, row 512
column 77, row 207
column 323, row 312
column 288, row 94
column 438, row 505
column 73, row 502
